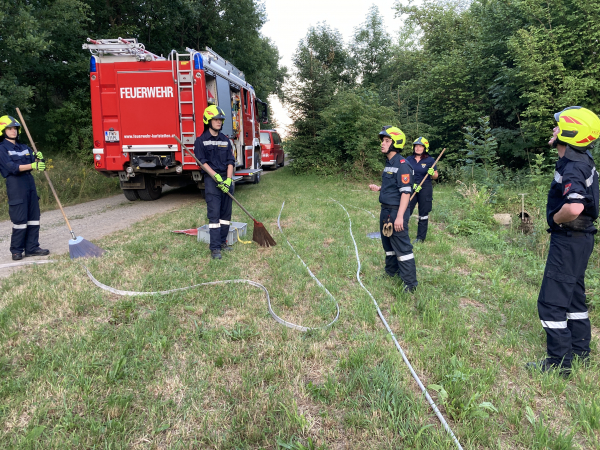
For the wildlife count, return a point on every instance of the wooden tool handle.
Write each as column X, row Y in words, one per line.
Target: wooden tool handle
column 45, row 173
column 426, row 175
column 212, row 176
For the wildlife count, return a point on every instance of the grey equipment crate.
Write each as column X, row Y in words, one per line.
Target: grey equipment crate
column 232, row 236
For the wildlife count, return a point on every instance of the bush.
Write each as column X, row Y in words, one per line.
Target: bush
column 350, row 140
column 479, row 215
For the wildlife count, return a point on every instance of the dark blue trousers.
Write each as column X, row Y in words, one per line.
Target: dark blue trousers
column 218, row 204
column 24, row 213
column 562, row 304
column 399, row 258
column 425, row 199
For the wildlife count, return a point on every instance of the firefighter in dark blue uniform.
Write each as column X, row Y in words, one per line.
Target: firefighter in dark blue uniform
column 16, row 163
column 571, row 210
column 394, row 195
column 422, row 164
column 213, row 149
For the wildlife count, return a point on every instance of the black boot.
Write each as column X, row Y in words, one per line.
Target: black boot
column 226, row 248
column 17, row 256
column 216, row 254
column 546, row 366
column 38, row 252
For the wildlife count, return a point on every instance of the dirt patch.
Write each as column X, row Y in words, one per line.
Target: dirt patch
column 327, row 242
column 464, row 302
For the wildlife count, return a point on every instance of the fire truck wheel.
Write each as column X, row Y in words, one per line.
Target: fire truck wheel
column 150, row 192
column 131, row 194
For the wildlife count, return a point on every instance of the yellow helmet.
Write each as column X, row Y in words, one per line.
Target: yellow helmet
column 578, row 127
column 422, row 141
column 9, row 121
column 395, row 134
column 213, row 112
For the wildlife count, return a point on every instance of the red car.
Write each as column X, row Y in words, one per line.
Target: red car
column 271, row 149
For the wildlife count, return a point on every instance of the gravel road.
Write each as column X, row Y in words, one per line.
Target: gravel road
column 93, row 220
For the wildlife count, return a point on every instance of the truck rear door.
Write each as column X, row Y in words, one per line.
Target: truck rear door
column 148, row 110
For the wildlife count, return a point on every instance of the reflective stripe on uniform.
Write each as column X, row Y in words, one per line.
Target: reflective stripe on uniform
column 19, row 227
column 33, row 222
column 557, row 177
column 217, row 143
column 214, row 225
column 406, row 257
column 224, row 222
column 590, row 180
column 576, row 316
column 548, row 324
column 424, row 218
column 13, row 153
column 391, row 169
column 574, row 195
column 405, row 189
column 390, row 253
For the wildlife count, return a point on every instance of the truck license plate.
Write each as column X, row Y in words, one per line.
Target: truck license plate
column 111, row 136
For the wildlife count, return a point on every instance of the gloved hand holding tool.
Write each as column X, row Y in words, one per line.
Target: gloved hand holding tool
column 260, row 235
column 431, row 171
column 219, row 179
column 418, row 188
column 38, row 165
column 225, row 185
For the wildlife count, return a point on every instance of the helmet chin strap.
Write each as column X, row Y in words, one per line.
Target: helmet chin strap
column 210, row 124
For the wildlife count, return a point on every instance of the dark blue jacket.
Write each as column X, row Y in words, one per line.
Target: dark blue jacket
column 12, row 156
column 397, row 179
column 215, row 151
column 575, row 181
column 421, row 167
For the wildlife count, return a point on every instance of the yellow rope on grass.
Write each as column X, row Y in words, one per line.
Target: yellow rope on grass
column 238, row 236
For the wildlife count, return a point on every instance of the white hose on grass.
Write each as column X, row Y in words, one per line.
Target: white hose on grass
column 410, row 367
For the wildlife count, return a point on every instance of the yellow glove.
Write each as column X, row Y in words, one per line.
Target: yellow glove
column 41, row 166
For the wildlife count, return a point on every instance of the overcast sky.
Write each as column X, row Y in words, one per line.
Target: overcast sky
column 289, row 20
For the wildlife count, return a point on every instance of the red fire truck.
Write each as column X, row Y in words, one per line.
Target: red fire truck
column 140, row 100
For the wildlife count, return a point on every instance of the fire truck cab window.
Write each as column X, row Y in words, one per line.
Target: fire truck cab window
column 265, row 138
column 224, row 102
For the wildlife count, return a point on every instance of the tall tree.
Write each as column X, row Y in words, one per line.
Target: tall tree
column 371, row 49
column 320, row 69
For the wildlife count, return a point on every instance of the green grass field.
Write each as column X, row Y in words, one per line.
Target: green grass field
column 210, row 368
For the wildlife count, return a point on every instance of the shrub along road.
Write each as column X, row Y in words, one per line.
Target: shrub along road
column 209, row 368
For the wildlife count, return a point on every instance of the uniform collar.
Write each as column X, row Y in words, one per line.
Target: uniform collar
column 10, row 144
column 573, row 155
column 396, row 157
